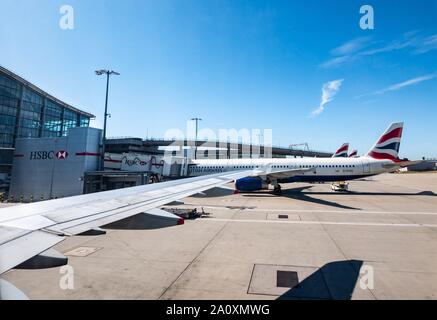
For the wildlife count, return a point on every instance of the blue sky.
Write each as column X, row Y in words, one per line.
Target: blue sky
column 238, row 64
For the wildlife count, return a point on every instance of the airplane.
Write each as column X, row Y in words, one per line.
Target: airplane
column 381, row 158
column 354, row 154
column 28, row 231
column 342, row 151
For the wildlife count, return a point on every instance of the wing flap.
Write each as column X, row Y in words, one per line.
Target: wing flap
column 22, row 245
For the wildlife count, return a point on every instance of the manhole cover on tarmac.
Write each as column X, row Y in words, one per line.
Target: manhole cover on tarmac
column 282, row 216
column 82, row 251
column 286, row 279
column 288, row 282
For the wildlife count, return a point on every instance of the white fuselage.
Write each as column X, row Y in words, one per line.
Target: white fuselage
column 323, row 169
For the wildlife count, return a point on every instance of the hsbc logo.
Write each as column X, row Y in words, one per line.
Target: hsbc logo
column 61, row 155
column 48, row 155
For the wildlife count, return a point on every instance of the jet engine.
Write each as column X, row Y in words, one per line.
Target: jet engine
column 250, row 184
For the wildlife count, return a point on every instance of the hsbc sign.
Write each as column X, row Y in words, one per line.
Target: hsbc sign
column 47, row 155
column 61, row 154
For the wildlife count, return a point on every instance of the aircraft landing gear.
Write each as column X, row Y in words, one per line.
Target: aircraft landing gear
column 277, row 189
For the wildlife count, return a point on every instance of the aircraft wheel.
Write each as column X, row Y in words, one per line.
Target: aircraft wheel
column 277, row 190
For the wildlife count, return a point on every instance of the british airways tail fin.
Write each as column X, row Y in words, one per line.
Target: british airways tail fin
column 353, row 154
column 342, row 151
column 387, row 146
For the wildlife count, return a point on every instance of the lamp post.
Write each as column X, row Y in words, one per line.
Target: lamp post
column 195, row 142
column 108, row 73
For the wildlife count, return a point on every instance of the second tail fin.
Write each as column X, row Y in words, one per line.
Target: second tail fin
column 342, row 151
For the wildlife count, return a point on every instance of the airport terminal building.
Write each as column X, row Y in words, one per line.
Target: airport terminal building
column 27, row 111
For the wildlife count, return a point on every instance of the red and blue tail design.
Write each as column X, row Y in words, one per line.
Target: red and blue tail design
column 387, row 146
column 353, row 154
column 342, row 151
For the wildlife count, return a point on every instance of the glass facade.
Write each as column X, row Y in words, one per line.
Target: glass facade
column 70, row 120
column 26, row 113
column 52, row 120
column 84, row 121
column 30, row 115
column 10, row 96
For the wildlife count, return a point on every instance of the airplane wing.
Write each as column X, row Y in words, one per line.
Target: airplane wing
column 281, row 174
column 30, row 229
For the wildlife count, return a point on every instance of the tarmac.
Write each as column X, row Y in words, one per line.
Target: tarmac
column 377, row 241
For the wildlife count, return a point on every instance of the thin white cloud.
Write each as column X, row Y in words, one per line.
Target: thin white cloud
column 351, row 46
column 334, row 62
column 361, row 47
column 409, row 39
column 407, row 83
column 329, row 90
column 429, row 43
